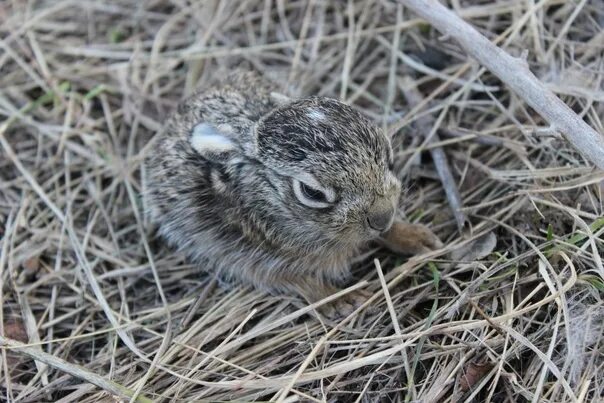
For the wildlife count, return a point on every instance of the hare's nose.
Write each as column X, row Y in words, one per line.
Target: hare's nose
column 380, row 217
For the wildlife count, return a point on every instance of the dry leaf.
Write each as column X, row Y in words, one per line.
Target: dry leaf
column 475, row 250
column 473, row 373
column 15, row 329
column 31, row 264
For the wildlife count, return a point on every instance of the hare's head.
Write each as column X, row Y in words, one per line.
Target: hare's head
column 315, row 170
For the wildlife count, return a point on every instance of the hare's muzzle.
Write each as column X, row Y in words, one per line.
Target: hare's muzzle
column 381, row 215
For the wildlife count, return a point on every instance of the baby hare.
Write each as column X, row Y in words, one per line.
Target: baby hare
column 274, row 192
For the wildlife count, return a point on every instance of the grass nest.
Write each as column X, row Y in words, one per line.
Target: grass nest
column 94, row 307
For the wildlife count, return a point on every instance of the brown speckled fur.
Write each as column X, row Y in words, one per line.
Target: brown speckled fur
column 238, row 214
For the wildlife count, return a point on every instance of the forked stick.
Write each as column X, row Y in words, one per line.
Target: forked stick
column 515, row 73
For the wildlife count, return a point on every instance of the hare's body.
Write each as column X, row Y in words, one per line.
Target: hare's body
column 280, row 196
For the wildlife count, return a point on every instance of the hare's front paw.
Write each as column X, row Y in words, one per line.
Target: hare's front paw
column 410, row 238
column 345, row 305
column 338, row 308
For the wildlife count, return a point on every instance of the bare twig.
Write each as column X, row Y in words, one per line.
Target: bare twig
column 441, row 163
column 515, row 73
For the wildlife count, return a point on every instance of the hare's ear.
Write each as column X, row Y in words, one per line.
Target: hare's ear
column 280, row 99
column 212, row 143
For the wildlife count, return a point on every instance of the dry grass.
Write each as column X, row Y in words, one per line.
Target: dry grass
column 87, row 286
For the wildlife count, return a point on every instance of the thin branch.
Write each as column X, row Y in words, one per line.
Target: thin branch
column 425, row 124
column 515, row 73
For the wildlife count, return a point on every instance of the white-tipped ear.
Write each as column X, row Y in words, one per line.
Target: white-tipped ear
column 280, row 99
column 208, row 141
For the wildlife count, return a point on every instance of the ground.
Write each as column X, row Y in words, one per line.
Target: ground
column 108, row 310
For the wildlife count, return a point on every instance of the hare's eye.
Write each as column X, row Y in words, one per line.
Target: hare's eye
column 311, row 196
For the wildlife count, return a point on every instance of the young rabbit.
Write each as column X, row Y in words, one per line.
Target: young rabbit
column 277, row 193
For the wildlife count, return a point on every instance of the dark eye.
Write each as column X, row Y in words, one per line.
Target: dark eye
column 312, row 197
column 312, row 194
column 391, row 165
